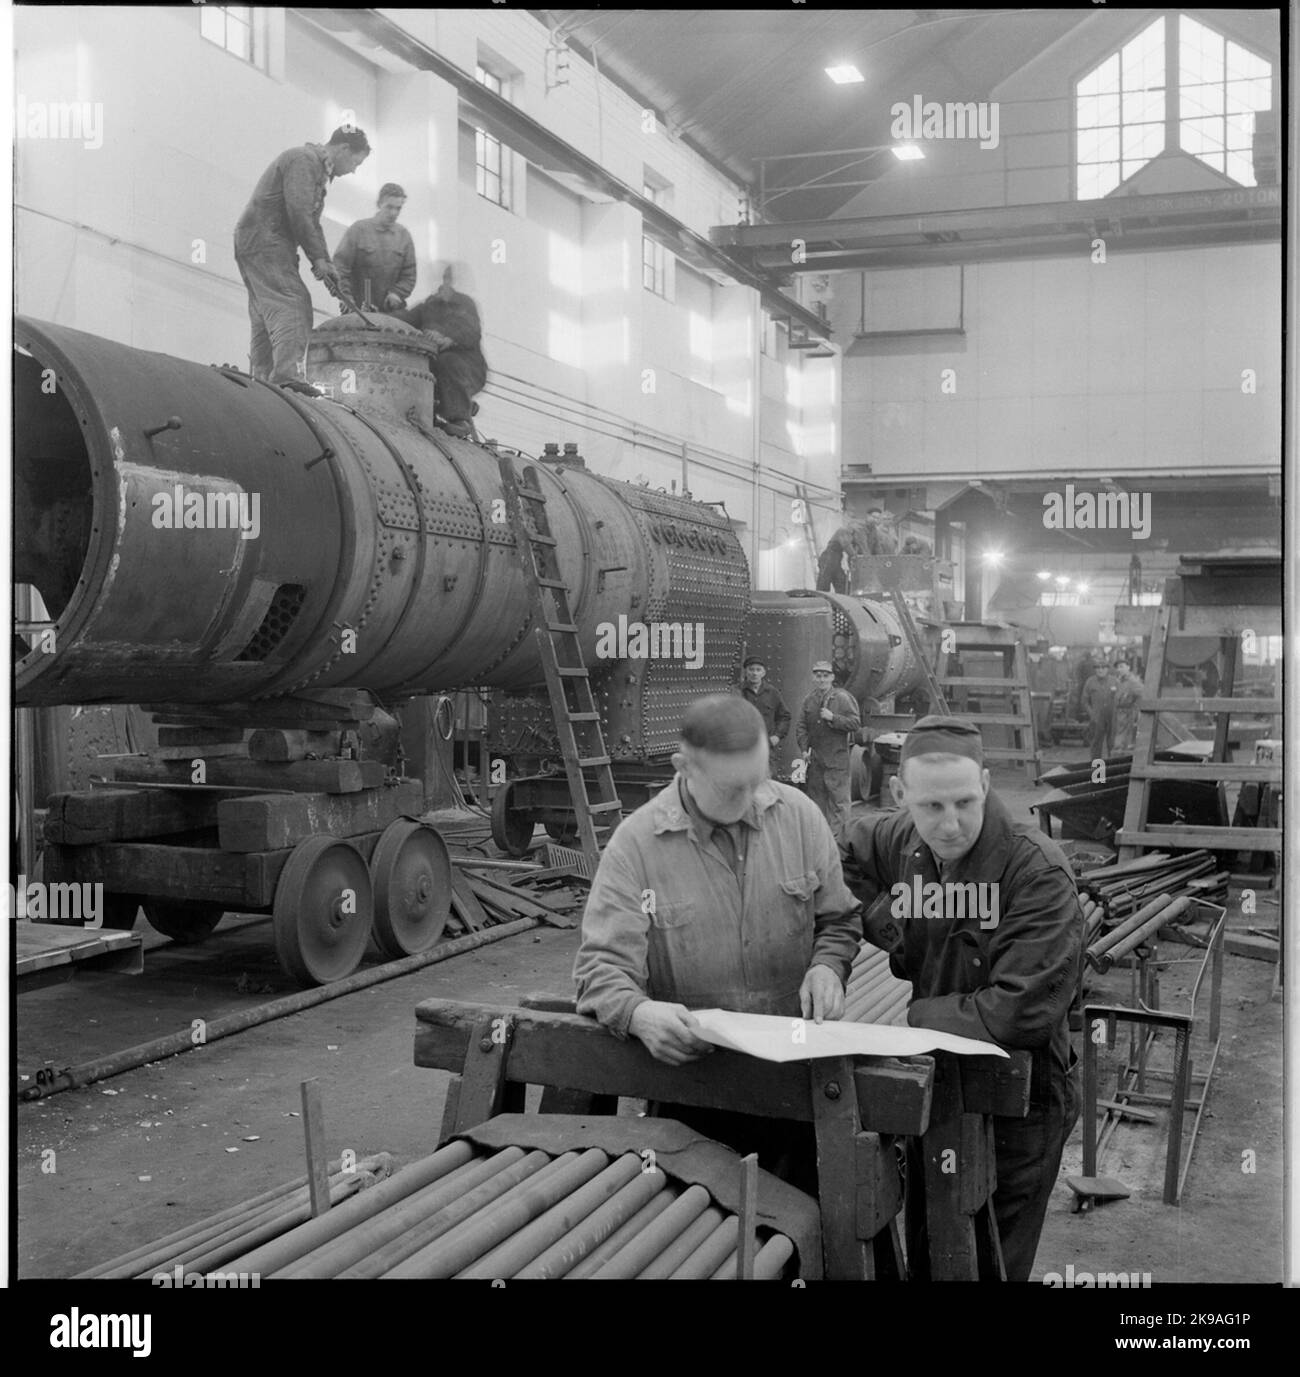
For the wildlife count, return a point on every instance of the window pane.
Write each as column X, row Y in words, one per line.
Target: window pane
column 1241, row 168
column 1249, row 93
column 1143, row 141
column 1097, row 110
column 1142, row 107
column 213, row 24
column 1201, row 135
column 239, row 39
column 1105, row 78
column 1240, row 131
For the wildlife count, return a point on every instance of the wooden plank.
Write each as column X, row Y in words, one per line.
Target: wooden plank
column 747, row 1242
column 835, row 1117
column 190, row 755
column 1258, row 948
column 308, row 776
column 1210, row 771
column 993, row 1085
column 973, row 1162
column 48, row 955
column 953, row 1255
column 280, row 744
column 465, row 904
column 268, row 822
column 313, row 1128
column 171, row 872
column 323, row 710
column 483, row 1077
column 1241, row 706
column 577, row 1053
column 1211, row 838
column 879, row 1183
column 98, row 815
column 199, row 736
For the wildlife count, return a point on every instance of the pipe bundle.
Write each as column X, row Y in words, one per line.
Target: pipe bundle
column 1121, row 889
column 519, row 1213
column 873, row 993
column 212, row 1242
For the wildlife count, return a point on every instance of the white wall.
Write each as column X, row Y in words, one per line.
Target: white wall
column 132, row 240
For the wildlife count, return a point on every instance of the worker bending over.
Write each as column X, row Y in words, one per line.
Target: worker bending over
column 376, row 256
column 460, row 370
column 282, row 217
column 828, row 721
column 1005, row 972
column 723, row 891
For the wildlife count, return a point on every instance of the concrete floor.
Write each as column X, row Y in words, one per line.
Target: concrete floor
column 147, row 1152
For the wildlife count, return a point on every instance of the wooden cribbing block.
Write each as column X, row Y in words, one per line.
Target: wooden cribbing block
column 203, row 874
column 223, row 750
column 98, row 815
column 576, row 1053
column 199, row 736
column 267, row 822
column 305, row 776
column 278, row 743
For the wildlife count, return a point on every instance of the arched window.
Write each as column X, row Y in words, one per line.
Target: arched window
column 1128, row 110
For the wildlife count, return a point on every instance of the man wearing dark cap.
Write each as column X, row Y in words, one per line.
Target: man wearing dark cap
column 723, row 891
column 283, row 216
column 828, row 721
column 376, row 256
column 1002, row 967
column 767, row 699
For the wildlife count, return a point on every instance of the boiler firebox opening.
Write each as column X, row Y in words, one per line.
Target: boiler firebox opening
column 53, row 502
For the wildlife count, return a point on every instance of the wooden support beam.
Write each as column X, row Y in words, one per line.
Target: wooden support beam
column 99, row 815
column 281, row 744
column 202, row 874
column 268, row 822
column 846, row 1256
column 309, row 776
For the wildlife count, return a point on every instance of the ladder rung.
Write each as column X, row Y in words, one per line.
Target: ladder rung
column 605, row 807
column 536, row 538
column 588, row 762
column 570, row 672
column 583, row 716
column 567, row 628
column 986, row 682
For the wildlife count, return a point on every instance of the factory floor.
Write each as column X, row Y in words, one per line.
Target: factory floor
column 104, row 1168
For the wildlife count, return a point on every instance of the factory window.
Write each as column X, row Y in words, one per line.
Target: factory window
column 1221, row 86
column 654, row 257
column 236, row 28
column 492, row 159
column 1128, row 108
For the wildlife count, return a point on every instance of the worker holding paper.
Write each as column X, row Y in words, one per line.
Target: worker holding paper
column 724, row 891
column 981, row 914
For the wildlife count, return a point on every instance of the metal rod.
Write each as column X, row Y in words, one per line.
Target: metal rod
column 708, row 1257
column 601, row 1225
column 683, row 1245
column 624, row 1234
column 643, row 1250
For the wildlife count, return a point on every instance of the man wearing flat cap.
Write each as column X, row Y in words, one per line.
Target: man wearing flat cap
column 1003, row 968
column 828, row 721
column 767, row 699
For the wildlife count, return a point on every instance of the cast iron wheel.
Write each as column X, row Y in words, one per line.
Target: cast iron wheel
column 411, row 871
column 121, row 910
column 511, row 831
column 324, row 906
column 183, row 921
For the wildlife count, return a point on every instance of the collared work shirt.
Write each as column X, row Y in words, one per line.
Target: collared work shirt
column 829, row 740
column 382, row 255
column 767, row 699
column 667, row 918
column 1012, row 982
column 285, row 207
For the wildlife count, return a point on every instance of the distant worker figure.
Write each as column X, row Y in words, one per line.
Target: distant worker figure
column 1128, row 691
column 828, row 720
column 376, row 256
column 916, row 545
column 1098, row 700
column 767, row 699
column 461, row 371
column 282, row 217
column 852, row 540
column 881, row 540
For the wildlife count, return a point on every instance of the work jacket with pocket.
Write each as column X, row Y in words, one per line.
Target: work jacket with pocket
column 1009, row 978
column 668, row 919
column 283, row 213
column 829, row 741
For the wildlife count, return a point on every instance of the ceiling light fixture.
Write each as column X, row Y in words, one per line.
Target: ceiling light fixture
column 844, row 74
column 906, row 152
column 1043, row 575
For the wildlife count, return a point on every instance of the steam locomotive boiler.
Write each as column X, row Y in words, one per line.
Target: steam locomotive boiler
column 242, row 559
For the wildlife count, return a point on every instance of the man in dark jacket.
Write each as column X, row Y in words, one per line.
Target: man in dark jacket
column 376, row 256
column 828, row 720
column 1003, row 970
column 1098, row 702
column 282, row 217
column 767, row 699
column 461, row 370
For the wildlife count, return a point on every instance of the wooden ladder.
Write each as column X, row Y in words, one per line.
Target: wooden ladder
column 573, row 705
column 1137, row 833
column 1013, row 685
column 889, row 581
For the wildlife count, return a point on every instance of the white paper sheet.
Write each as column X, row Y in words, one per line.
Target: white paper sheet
column 795, row 1039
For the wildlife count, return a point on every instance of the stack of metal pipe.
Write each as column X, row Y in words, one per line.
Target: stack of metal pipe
column 1122, row 889
column 873, row 993
column 517, row 1213
column 1136, row 929
column 211, row 1243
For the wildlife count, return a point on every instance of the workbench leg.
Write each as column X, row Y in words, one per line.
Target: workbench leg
column 887, row 1254
column 953, row 1253
column 837, row 1123
column 1177, row 1106
column 1089, row 1097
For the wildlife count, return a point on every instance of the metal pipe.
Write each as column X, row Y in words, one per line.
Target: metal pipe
column 772, row 1257
column 708, row 1257
column 421, row 1234
column 328, row 1226
column 521, row 1247
column 624, row 1234
column 641, row 1251
column 173, row 1044
column 365, row 1241
column 1118, row 933
column 1135, row 939
column 482, row 1232
column 601, row 1225
column 683, row 1246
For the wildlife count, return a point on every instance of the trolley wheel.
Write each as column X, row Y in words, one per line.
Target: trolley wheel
column 411, row 870
column 324, row 905
column 564, row 833
column 121, row 910
column 511, row 831
column 184, row 921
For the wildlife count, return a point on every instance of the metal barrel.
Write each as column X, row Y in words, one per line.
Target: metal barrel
column 599, row 1226
column 624, row 1234
column 519, row 1249
column 435, row 1226
column 642, row 1250
column 200, row 537
column 364, row 1241
column 683, row 1246
column 486, row 1228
